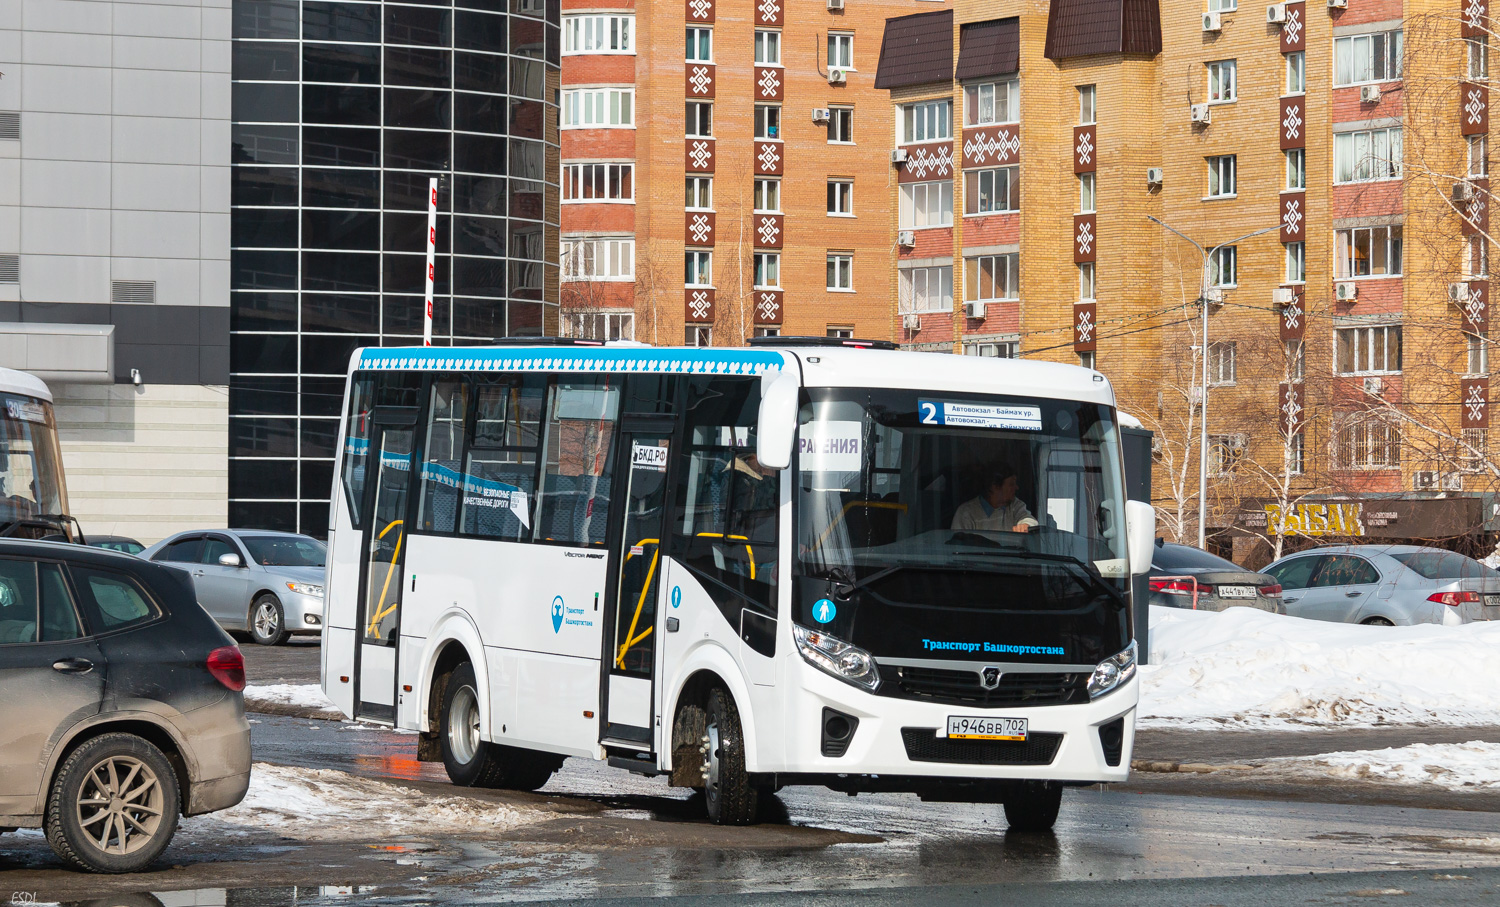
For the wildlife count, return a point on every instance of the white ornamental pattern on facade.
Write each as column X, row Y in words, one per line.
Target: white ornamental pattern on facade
column 768, row 307
column 1474, row 106
column 939, row 162
column 1291, row 218
column 769, row 157
column 1291, row 314
column 1292, row 123
column 1474, row 14
column 1085, row 238
column 1003, row 145
column 1085, row 149
column 1474, row 209
column 770, row 83
column 699, row 9
column 1473, row 304
column 768, row 231
column 699, row 304
column 699, row 229
column 1474, row 403
column 1293, row 26
column 1291, row 408
column 700, row 154
column 699, row 79
column 1085, row 328
column 770, row 11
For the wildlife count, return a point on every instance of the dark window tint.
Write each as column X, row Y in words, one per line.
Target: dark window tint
column 528, row 160
column 264, row 515
column 117, row 600
column 186, row 551
column 340, row 21
column 322, row 396
column 479, row 154
column 254, row 395
column 316, row 479
column 480, row 113
column 319, row 437
column 1444, row 565
column 479, row 276
column 479, row 195
column 527, row 199
column 408, row 232
column 477, row 31
column 1183, row 557
column 651, row 394
column 573, row 506
column 34, row 604
column 265, row 61
column 359, row 425
column 341, row 105
column 408, row 273
column 479, row 236
column 329, row 354
column 416, row 25
column 253, row 270
column 340, row 146
column 1345, row 570
column 350, row 230
column 266, row 228
column 265, row 19
column 404, row 314
column 263, row 144
column 408, row 191
column 340, row 271
column 418, row 109
column 526, row 241
column 341, row 188
column 479, row 72
column 417, row 150
column 1296, row 573
column 314, row 519
column 341, row 63
column 262, row 478
column 339, row 313
column 215, row 547
column 442, row 480
column 263, row 311
column 528, row 119
column 528, row 79
column 478, row 318
column 263, row 186
column 263, row 353
column 260, row 102
column 417, row 66
column 285, row 551
column 262, row 438
column 527, row 38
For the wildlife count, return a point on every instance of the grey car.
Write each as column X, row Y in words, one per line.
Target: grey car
column 1387, row 585
column 122, row 704
column 1186, row 577
column 268, row 584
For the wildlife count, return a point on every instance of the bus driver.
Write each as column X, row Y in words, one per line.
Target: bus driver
column 996, row 508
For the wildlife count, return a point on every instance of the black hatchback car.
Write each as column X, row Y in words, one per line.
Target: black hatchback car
column 120, row 704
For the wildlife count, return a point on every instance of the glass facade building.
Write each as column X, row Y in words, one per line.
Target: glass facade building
column 342, row 112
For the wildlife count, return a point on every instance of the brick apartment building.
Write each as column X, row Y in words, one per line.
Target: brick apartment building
column 726, row 170
column 1068, row 171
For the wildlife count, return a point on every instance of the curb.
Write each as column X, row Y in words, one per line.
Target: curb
column 287, row 710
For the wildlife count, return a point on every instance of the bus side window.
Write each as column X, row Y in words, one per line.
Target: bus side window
column 573, row 506
column 358, row 427
column 441, row 455
column 500, row 469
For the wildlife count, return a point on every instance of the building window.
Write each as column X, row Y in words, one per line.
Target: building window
column 767, row 270
column 700, row 45
column 1368, row 442
column 768, row 332
column 1088, row 359
column 1086, row 200
column 697, row 335
column 1087, row 110
column 699, row 268
column 1373, row 154
column 1474, row 447
column 1479, row 156
column 987, row 103
column 1479, row 57
column 1296, row 359
column 1296, row 73
column 767, row 48
column 700, row 119
column 999, row 349
column 768, row 196
column 992, row 277
column 1296, row 262
column 1369, row 252
column 1296, row 168
column 1367, row 58
column 1477, row 256
column 1223, row 6
column 768, row 121
column 1479, row 355
column 598, row 259
column 1368, row 351
column 1223, row 267
column 600, row 325
column 926, row 121
column 1225, row 452
column 1221, row 356
column 1221, row 81
column 1296, row 463
column 993, row 191
column 926, row 205
column 841, row 125
column 840, row 271
column 598, row 108
column 841, row 197
column 1086, row 281
column 596, row 34
column 1221, row 176
column 700, row 193
column 598, row 182
column 926, row 290
column 840, row 332
column 840, row 50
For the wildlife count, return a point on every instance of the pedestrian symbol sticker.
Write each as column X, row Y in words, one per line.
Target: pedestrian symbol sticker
column 824, row 611
column 557, row 614
column 676, row 596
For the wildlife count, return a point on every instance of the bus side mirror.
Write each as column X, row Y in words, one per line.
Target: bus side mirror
column 778, row 420
column 1140, row 535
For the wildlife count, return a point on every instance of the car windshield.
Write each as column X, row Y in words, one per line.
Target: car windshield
column 31, row 472
column 126, row 545
column 1183, row 557
column 1445, row 565
column 285, row 551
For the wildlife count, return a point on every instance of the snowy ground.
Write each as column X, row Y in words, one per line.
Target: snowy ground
column 325, row 805
column 307, row 696
column 1244, row 668
column 1455, row 766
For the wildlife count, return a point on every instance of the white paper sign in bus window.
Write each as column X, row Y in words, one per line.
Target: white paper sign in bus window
column 648, row 457
column 979, row 415
column 831, row 446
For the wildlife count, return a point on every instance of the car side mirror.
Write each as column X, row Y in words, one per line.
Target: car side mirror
column 1140, row 535
column 229, row 559
column 778, row 419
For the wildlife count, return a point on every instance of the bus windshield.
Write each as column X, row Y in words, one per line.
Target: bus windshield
column 31, row 472
column 932, row 522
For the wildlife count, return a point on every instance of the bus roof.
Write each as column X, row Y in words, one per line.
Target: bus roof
column 24, row 383
column 819, row 366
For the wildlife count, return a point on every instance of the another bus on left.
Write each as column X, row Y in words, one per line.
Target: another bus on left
column 33, row 493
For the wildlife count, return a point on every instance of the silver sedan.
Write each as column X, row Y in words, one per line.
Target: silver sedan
column 268, row 584
column 1387, row 585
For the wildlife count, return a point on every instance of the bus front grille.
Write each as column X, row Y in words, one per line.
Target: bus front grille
column 924, row 745
column 963, row 687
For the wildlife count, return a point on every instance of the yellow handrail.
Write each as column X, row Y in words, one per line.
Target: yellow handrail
column 640, row 605
column 749, row 552
column 382, row 611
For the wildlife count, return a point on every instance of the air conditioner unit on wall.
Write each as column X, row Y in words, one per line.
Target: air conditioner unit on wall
column 1458, row 292
column 1374, row 386
column 837, row 77
column 974, row 309
column 820, row 114
column 1345, row 290
column 1200, row 113
column 1276, row 13
column 898, row 156
column 834, row 5
column 1154, row 176
column 911, row 322
column 1212, row 22
column 1452, row 481
column 1424, row 480
column 906, row 238
column 1338, row 4
column 1283, row 296
column 1463, row 190
column 1369, row 94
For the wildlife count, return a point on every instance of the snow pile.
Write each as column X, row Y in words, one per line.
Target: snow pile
column 1245, row 668
column 302, row 696
column 322, row 804
column 1456, row 766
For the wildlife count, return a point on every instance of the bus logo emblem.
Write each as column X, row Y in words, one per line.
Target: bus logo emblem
column 989, row 678
column 557, row 614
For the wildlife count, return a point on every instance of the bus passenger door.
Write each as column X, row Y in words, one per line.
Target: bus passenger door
column 631, row 659
column 384, row 554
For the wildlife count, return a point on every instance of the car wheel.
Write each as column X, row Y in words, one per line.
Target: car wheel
column 268, row 621
column 114, row 805
column 728, row 791
column 1377, row 622
column 1033, row 806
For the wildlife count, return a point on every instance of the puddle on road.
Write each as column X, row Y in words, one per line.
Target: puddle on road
column 231, row 897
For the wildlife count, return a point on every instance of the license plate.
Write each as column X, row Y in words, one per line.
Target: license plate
column 967, row 727
column 1491, row 600
column 1236, row 591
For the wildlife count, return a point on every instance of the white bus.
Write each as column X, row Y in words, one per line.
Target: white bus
column 739, row 568
column 33, row 493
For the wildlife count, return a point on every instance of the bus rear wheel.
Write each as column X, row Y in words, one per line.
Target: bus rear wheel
column 1033, row 805
column 469, row 759
column 728, row 791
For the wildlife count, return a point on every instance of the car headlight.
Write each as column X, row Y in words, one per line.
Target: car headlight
column 834, row 656
column 306, row 589
column 1113, row 672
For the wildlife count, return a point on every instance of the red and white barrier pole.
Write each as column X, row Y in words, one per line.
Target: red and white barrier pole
column 431, row 257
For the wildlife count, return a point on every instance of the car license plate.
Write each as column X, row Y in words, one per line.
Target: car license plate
column 1491, row 600
column 968, row 727
column 1236, row 591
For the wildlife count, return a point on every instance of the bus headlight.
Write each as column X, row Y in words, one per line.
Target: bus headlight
column 1112, row 672
column 834, row 656
column 306, row 589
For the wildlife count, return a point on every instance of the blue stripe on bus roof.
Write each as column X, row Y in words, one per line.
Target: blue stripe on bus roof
column 572, row 359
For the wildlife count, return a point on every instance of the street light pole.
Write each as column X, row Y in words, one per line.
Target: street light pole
column 1203, row 389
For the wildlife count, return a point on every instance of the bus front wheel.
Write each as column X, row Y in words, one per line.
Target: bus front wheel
column 469, row 759
column 1033, row 805
column 730, row 795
